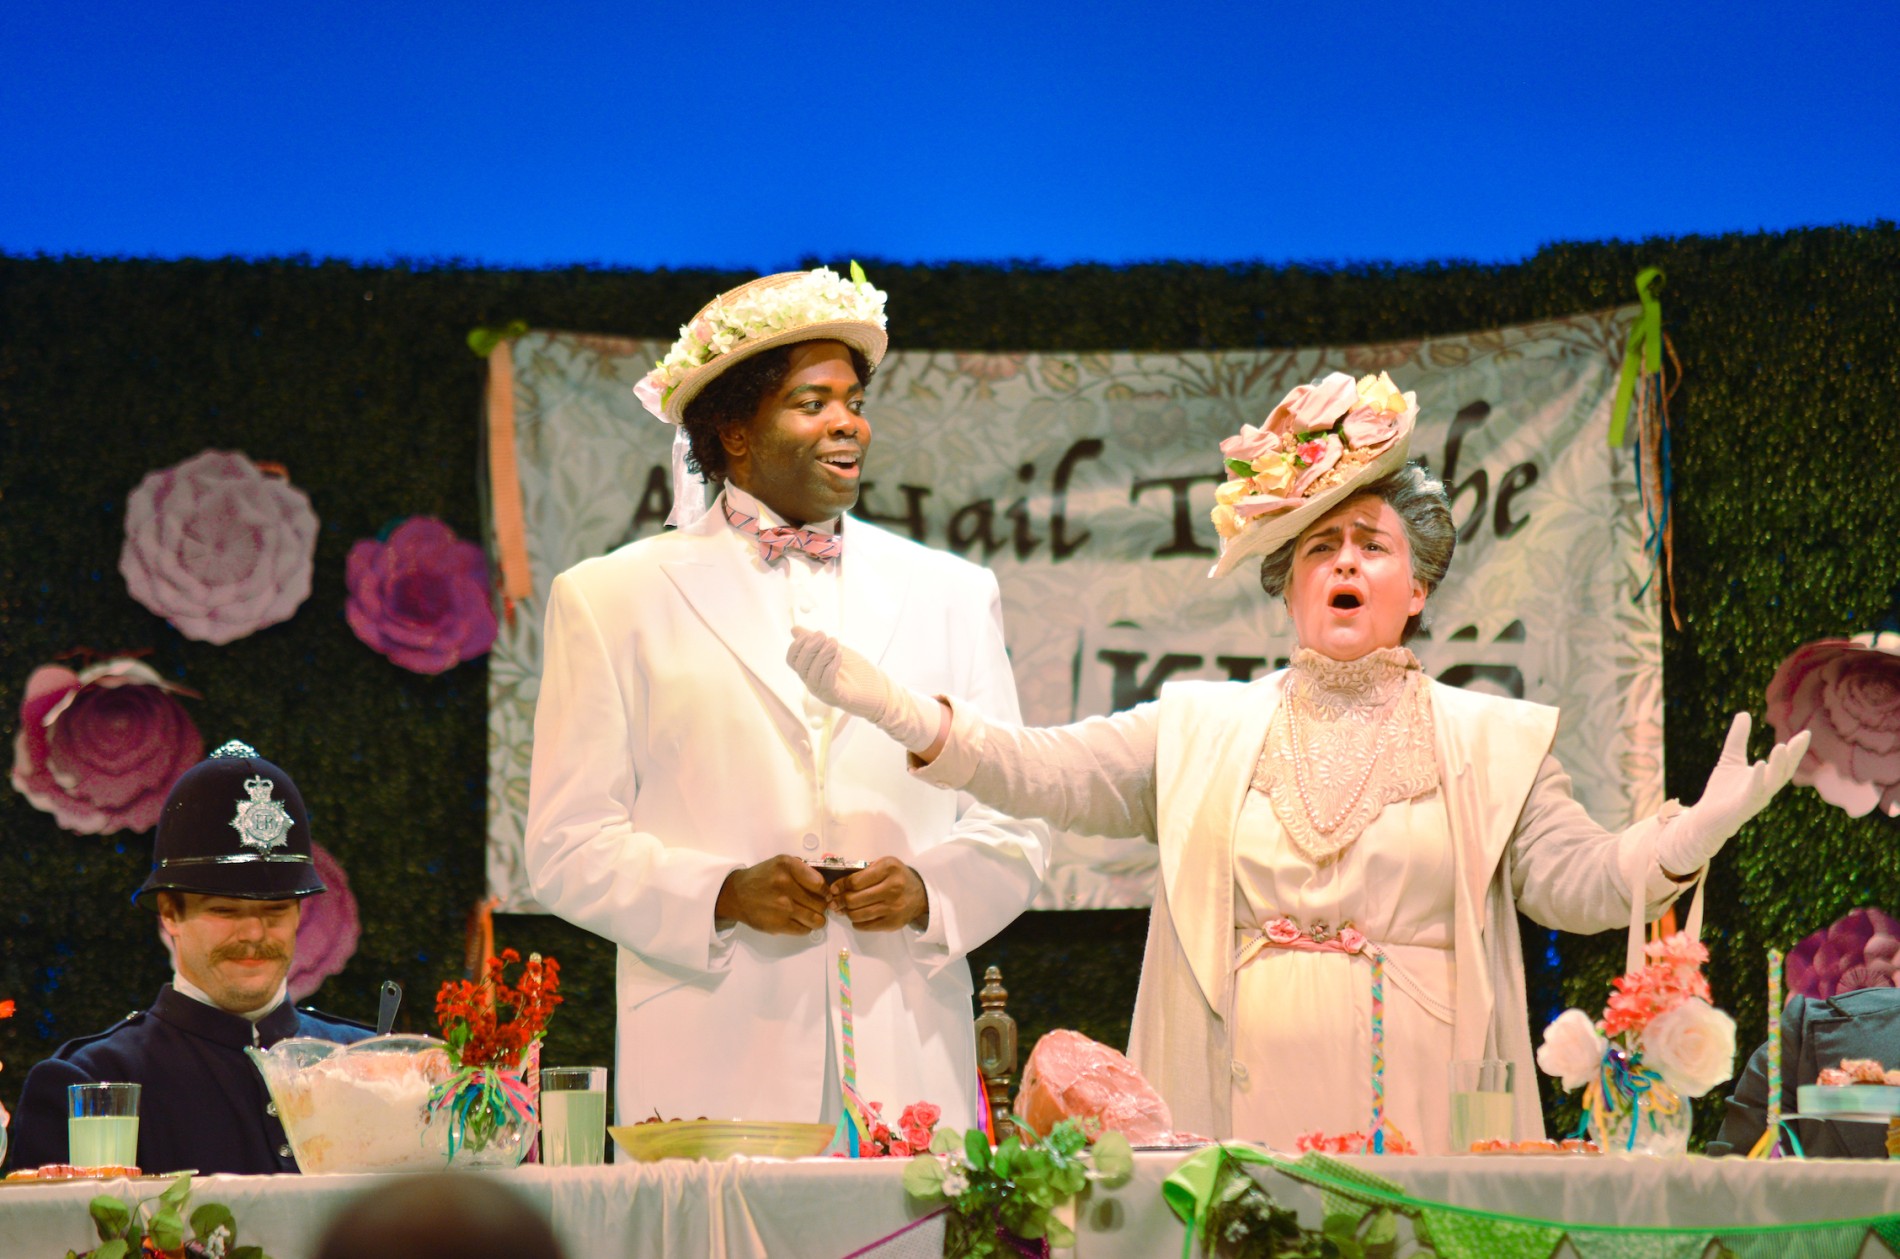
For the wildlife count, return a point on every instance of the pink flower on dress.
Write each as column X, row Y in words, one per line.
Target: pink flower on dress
column 1351, row 939
column 1282, row 931
column 1309, row 408
column 651, row 394
column 421, row 597
column 1846, row 693
column 328, row 932
column 217, row 547
column 100, row 749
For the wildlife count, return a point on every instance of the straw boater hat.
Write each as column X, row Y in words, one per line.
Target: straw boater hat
column 770, row 311
column 1323, row 443
column 233, row 825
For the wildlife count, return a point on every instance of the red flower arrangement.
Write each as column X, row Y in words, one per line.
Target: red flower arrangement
column 1672, row 977
column 469, row 1011
column 488, row 1092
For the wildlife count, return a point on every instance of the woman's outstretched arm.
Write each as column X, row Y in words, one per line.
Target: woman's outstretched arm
column 1096, row 776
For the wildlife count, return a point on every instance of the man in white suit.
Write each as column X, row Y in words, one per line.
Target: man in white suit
column 684, row 781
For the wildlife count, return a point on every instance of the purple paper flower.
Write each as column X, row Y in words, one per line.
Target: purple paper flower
column 421, row 598
column 328, row 931
column 218, row 548
column 1862, row 950
column 100, row 749
column 1847, row 692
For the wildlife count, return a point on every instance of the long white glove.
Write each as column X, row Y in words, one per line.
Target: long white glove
column 844, row 679
column 1737, row 791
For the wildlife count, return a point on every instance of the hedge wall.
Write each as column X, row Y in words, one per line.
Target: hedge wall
column 357, row 379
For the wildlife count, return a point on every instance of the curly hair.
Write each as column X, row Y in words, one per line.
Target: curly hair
column 1419, row 499
column 734, row 396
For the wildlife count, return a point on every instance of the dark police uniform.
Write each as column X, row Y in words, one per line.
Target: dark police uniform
column 202, row 1107
column 233, row 825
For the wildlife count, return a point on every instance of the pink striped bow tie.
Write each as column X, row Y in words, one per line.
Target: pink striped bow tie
column 774, row 542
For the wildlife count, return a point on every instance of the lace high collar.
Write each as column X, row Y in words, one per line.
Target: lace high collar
column 1331, row 685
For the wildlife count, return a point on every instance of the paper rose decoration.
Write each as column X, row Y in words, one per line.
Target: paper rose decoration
column 420, row 596
column 101, row 748
column 1862, row 950
column 217, row 547
column 328, row 931
column 1847, row 692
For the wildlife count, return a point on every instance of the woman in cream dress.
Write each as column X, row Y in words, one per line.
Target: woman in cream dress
column 1343, row 808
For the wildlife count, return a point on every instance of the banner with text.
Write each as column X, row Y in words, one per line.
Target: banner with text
column 1084, row 481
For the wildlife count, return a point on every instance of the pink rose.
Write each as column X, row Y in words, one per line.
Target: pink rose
column 902, row 1149
column 327, row 933
column 1351, row 939
column 1308, row 408
column 1282, row 931
column 1846, row 692
column 1320, row 454
column 421, row 598
column 100, row 750
column 1249, row 444
column 218, row 548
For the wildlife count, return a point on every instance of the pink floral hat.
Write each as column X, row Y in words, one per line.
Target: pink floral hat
column 1846, row 691
column 770, row 311
column 1321, row 444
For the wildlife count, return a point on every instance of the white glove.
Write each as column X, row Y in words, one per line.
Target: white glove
column 844, row 679
column 1737, row 791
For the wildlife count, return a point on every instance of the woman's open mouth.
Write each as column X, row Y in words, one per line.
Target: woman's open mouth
column 1345, row 601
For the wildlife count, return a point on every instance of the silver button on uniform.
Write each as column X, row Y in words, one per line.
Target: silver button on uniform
column 283, row 1151
column 270, row 1108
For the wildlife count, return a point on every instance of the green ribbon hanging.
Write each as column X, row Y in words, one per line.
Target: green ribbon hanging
column 1645, row 346
column 483, row 340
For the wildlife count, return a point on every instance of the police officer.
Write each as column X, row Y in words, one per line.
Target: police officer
column 230, row 867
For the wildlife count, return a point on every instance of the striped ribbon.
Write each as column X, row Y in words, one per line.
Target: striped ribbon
column 1378, row 1052
column 1769, row 1146
column 854, row 1126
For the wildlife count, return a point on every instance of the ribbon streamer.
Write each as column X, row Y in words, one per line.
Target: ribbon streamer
column 502, row 1093
column 1645, row 346
column 1378, row 1052
column 854, row 1125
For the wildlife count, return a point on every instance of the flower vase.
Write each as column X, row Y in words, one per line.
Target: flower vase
column 1651, row 1119
column 485, row 1119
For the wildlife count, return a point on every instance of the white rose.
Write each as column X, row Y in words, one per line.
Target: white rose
column 1691, row 1046
column 1572, row 1050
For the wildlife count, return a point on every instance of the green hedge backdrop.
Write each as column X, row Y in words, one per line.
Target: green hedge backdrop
column 1787, row 458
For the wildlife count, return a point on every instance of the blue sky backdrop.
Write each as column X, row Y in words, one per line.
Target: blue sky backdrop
column 749, row 134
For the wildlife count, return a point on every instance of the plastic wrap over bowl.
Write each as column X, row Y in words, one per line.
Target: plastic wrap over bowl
column 362, row 1107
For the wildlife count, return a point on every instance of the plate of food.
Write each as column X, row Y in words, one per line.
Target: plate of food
column 714, row 1139
column 1859, row 1090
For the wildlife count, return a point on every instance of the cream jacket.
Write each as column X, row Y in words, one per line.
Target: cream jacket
column 1177, row 771
column 673, row 746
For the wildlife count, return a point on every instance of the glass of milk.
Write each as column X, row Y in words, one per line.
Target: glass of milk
column 102, row 1125
column 1481, row 1107
column 573, row 1115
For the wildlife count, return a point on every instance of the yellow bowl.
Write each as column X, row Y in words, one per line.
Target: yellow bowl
column 719, row 1138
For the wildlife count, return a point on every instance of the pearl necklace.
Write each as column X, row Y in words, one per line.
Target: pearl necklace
column 1299, row 767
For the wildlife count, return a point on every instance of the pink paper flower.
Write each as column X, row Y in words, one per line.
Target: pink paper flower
column 421, row 597
column 1249, row 444
column 1846, row 692
column 100, row 749
column 328, row 932
column 218, row 548
column 1861, row 950
column 1320, row 454
column 1308, row 408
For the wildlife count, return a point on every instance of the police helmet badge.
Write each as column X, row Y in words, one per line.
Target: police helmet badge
column 233, row 790
column 261, row 822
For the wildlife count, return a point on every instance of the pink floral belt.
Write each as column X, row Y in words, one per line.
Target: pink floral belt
column 1284, row 933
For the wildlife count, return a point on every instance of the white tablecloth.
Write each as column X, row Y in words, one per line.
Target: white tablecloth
column 826, row 1209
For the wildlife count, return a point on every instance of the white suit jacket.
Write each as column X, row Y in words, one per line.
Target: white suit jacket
column 673, row 746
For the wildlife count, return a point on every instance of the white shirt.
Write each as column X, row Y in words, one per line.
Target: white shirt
column 186, row 988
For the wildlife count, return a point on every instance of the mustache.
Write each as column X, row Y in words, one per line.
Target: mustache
column 250, row 952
